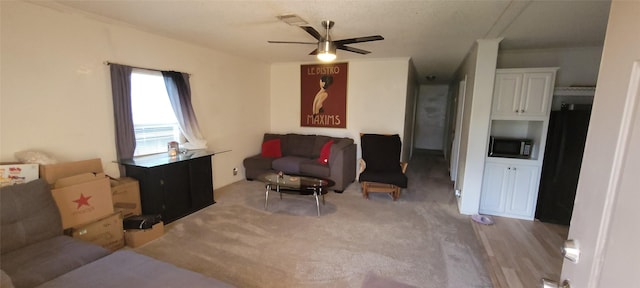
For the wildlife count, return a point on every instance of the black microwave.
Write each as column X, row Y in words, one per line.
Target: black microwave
column 510, row 147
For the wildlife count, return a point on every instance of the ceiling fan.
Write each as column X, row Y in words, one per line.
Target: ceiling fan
column 326, row 50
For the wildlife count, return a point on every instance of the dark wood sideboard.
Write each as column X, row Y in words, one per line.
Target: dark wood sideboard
column 173, row 186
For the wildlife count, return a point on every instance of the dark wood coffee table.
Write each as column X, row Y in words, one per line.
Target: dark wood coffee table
column 295, row 184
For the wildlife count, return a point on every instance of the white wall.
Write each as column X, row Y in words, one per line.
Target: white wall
column 467, row 71
column 480, row 69
column 431, row 112
column 376, row 99
column 578, row 66
column 56, row 93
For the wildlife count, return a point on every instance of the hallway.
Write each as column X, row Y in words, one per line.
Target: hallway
column 518, row 253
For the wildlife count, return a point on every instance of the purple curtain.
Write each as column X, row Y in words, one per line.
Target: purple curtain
column 179, row 91
column 121, row 93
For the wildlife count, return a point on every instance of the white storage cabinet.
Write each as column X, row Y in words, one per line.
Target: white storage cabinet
column 510, row 189
column 523, row 93
column 520, row 109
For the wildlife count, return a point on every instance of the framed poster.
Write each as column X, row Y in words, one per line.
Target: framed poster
column 323, row 95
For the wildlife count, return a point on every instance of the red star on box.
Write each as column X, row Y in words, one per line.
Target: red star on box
column 82, row 201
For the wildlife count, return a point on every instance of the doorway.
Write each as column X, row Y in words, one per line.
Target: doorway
column 431, row 113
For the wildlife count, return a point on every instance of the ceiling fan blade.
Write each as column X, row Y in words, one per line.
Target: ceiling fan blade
column 358, row 40
column 354, row 50
column 312, row 31
column 293, row 42
column 314, row 52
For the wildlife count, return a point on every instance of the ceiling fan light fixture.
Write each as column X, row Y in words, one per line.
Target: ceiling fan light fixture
column 326, row 57
column 326, row 51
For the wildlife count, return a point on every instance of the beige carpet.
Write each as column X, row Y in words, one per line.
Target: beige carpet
column 419, row 240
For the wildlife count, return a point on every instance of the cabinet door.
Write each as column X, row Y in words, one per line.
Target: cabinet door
column 151, row 191
column 176, row 187
column 495, row 186
column 506, row 94
column 524, row 191
column 201, row 182
column 536, row 94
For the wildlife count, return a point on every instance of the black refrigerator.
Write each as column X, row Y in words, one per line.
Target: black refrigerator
column 561, row 165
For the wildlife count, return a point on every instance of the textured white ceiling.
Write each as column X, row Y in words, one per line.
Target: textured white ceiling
column 435, row 34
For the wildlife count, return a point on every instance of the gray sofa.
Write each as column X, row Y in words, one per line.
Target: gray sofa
column 35, row 253
column 300, row 155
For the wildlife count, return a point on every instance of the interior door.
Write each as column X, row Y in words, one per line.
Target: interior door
column 455, row 150
column 605, row 215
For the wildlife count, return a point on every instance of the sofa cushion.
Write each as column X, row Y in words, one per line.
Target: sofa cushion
column 130, row 269
column 395, row 178
column 269, row 136
column 28, row 214
column 340, row 143
column 315, row 169
column 271, row 148
column 48, row 259
column 288, row 164
column 381, row 152
column 299, row 145
column 318, row 144
column 257, row 162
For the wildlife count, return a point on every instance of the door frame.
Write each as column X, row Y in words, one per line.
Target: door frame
column 605, row 212
column 455, row 149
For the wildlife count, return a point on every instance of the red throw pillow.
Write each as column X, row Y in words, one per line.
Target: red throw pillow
column 271, row 149
column 324, row 153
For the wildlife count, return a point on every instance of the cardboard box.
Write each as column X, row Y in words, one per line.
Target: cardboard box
column 77, row 179
column 125, row 192
column 106, row 232
column 52, row 172
column 84, row 203
column 139, row 237
column 17, row 173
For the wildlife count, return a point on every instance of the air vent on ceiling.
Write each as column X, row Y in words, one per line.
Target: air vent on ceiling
column 293, row 20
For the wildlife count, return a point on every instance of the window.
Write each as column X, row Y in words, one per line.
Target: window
column 154, row 121
column 143, row 114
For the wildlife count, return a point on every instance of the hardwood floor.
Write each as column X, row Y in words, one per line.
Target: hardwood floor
column 520, row 253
